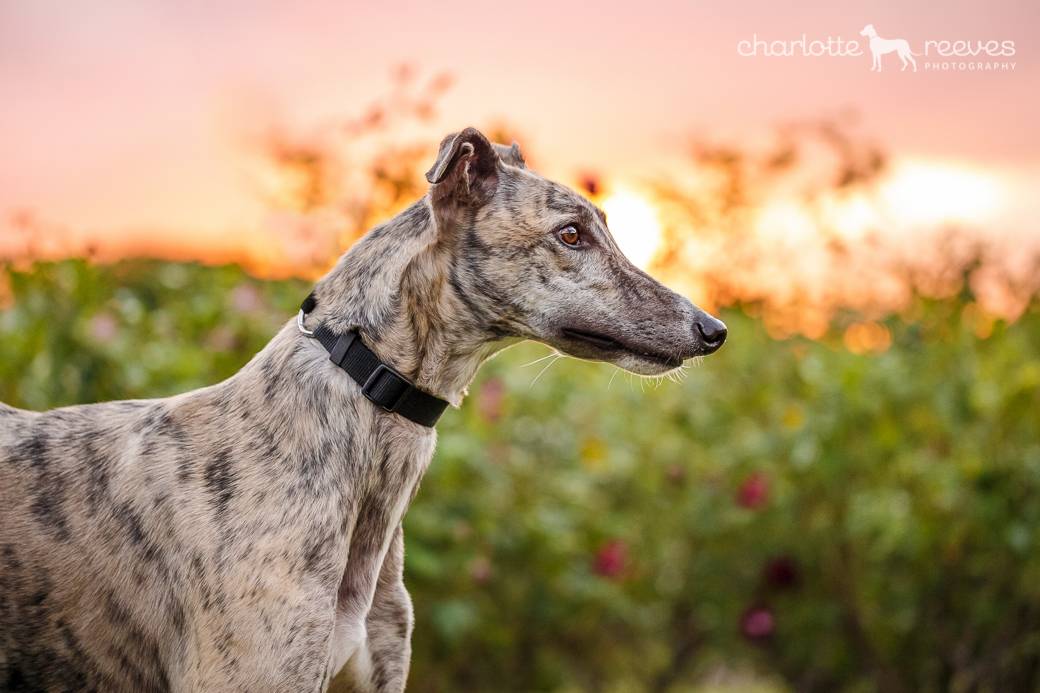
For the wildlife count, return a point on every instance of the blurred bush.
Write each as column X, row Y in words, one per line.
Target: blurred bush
column 859, row 513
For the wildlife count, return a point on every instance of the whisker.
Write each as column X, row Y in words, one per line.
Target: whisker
column 552, row 353
column 547, row 367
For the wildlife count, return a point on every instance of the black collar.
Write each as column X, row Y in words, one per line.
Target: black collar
column 380, row 383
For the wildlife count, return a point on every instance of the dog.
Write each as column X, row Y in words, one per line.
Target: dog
column 247, row 536
column 880, row 46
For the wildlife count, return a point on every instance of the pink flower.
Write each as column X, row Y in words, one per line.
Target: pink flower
column 610, row 559
column 245, row 298
column 103, row 328
column 480, row 570
column 221, row 338
column 757, row 623
column 490, row 399
column 754, row 491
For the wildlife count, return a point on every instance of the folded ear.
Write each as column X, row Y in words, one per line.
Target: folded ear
column 466, row 170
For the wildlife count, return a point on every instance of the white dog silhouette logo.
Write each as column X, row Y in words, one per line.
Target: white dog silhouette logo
column 880, row 46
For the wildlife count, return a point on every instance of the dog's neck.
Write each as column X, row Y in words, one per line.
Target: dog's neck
column 397, row 285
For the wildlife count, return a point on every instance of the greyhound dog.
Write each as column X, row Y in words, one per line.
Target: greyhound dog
column 247, row 536
column 880, row 46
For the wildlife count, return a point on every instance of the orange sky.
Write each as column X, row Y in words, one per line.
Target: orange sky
column 129, row 114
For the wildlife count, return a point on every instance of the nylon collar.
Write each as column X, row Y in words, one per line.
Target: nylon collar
column 380, row 383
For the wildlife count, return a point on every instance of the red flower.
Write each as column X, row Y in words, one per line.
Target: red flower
column 757, row 623
column 610, row 559
column 754, row 492
column 676, row 474
column 781, row 573
column 590, row 183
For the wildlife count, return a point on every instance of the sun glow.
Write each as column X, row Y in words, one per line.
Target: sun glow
column 635, row 225
column 912, row 196
column 920, row 192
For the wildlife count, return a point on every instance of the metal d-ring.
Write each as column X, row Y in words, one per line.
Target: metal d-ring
column 299, row 323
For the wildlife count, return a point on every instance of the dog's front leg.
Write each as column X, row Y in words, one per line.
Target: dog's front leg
column 390, row 623
column 380, row 664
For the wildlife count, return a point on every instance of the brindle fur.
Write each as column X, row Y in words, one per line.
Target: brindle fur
column 247, row 536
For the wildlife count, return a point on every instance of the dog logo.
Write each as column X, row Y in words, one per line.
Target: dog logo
column 880, row 46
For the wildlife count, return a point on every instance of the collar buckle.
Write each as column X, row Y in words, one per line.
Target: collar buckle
column 385, row 387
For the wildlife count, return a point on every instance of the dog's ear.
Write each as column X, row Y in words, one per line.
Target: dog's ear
column 511, row 155
column 466, row 170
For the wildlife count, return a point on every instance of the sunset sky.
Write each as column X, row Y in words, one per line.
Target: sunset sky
column 126, row 116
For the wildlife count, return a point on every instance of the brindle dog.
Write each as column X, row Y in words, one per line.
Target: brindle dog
column 247, row 536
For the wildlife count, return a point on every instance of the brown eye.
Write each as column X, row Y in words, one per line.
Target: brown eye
column 569, row 236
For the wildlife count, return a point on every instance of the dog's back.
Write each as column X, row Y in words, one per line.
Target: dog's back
column 63, row 535
column 172, row 543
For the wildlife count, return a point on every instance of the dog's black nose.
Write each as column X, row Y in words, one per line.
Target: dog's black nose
column 712, row 330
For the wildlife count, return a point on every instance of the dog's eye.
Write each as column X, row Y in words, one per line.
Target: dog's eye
column 569, row 236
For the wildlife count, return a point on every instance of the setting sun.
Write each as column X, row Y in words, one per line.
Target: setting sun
column 635, row 225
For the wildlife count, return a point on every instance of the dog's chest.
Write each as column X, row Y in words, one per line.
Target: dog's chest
column 374, row 553
column 389, row 463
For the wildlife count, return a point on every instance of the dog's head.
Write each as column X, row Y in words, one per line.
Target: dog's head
column 532, row 258
column 868, row 30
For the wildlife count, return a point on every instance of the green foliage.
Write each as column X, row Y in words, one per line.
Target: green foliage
column 830, row 520
column 81, row 333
